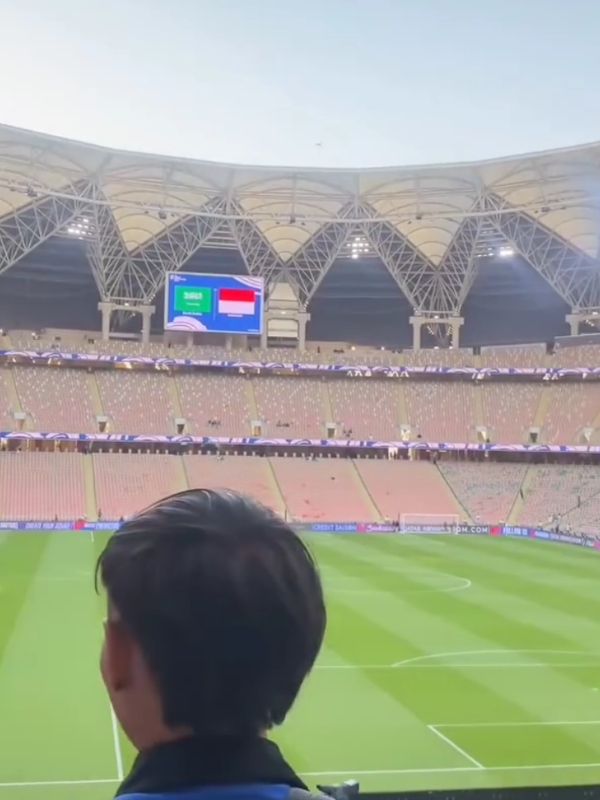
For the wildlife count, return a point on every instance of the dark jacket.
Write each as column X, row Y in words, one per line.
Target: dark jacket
column 218, row 768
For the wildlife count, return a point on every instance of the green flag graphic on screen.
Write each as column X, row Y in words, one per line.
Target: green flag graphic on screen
column 193, row 301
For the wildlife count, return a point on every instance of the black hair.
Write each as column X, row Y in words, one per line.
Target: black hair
column 226, row 604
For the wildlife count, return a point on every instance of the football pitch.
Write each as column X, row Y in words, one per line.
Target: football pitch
column 450, row 662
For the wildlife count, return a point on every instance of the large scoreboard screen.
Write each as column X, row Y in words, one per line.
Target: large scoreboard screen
column 213, row 303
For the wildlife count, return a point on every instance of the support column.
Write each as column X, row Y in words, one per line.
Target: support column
column 574, row 321
column 303, row 318
column 146, row 312
column 456, row 324
column 264, row 336
column 105, row 309
column 416, row 323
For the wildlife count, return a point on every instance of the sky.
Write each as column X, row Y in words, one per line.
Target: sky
column 325, row 83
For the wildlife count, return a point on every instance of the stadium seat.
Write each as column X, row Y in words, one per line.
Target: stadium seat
column 522, row 357
column 247, row 474
column 296, row 402
column 486, row 489
column 571, row 491
column 408, row 487
column 42, row 486
column 509, row 410
column 325, row 489
column 442, row 411
column 55, row 400
column 137, row 402
column 126, row 483
column 210, row 396
column 572, row 407
column 368, row 407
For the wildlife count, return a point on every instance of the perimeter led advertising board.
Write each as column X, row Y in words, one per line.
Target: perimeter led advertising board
column 213, row 303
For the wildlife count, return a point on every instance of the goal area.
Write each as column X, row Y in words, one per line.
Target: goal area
column 429, row 523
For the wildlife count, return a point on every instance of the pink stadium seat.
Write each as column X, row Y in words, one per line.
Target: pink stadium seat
column 586, row 355
column 137, row 402
column 126, row 483
column 325, row 489
column 7, row 420
column 520, row 356
column 440, row 357
column 573, row 406
column 247, row 474
column 407, row 487
column 509, row 410
column 442, row 411
column 42, row 486
column 294, row 400
column 486, row 489
column 219, row 397
column 368, row 407
column 56, row 400
column 554, row 489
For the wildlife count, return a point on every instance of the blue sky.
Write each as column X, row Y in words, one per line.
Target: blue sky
column 377, row 82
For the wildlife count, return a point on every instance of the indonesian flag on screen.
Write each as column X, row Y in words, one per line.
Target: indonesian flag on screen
column 237, row 301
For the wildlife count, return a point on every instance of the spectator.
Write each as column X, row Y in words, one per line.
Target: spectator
column 215, row 617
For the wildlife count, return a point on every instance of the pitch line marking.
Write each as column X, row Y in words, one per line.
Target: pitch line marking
column 442, row 770
column 531, row 665
column 417, row 659
column 456, row 747
column 344, row 772
column 117, row 744
column 526, row 724
column 59, row 783
column 466, row 584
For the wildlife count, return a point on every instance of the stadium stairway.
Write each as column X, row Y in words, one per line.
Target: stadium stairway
column 596, row 427
column 542, row 409
column 175, row 398
column 402, row 405
column 187, row 481
column 94, row 393
column 183, row 482
column 327, row 404
column 91, row 503
column 12, row 393
column 365, row 493
column 462, row 510
column 479, row 412
column 524, row 489
column 280, row 507
column 252, row 404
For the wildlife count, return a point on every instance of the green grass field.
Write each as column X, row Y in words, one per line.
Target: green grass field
column 449, row 662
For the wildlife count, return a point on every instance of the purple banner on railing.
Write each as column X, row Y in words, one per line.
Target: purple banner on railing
column 61, row 525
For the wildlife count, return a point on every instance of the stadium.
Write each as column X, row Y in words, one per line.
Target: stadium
column 403, row 362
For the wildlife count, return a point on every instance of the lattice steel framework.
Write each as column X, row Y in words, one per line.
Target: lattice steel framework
column 432, row 289
column 572, row 274
column 22, row 232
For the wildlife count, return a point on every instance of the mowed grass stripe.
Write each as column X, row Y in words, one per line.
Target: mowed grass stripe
column 20, row 558
column 521, row 567
column 50, row 691
column 480, row 610
column 509, row 577
column 553, row 555
column 528, row 693
column 388, row 629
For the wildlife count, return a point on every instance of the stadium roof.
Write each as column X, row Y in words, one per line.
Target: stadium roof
column 144, row 214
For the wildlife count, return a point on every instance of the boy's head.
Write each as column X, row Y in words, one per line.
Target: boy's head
column 215, row 617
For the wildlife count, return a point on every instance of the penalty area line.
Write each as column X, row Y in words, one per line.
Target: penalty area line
column 117, row 744
column 441, row 770
column 90, row 782
column 455, row 747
